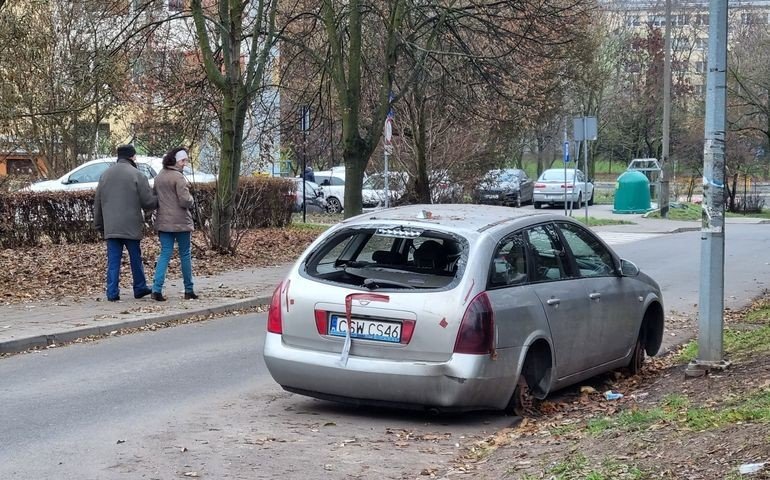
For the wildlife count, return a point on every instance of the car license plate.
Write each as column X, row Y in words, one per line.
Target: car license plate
column 491, row 196
column 378, row 330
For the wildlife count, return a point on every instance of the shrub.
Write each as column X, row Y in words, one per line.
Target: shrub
column 34, row 218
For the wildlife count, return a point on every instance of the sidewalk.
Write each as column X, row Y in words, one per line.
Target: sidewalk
column 38, row 324
column 42, row 323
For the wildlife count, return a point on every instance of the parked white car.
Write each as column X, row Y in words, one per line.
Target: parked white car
column 86, row 176
column 192, row 175
column 373, row 190
column 551, row 185
column 333, row 184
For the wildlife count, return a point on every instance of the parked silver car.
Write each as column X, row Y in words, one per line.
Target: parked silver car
column 551, row 186
column 453, row 307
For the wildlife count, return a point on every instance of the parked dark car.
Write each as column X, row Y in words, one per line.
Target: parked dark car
column 508, row 186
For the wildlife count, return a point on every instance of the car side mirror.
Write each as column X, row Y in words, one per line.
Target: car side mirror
column 628, row 268
column 67, row 181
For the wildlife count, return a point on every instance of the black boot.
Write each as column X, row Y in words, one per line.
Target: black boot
column 158, row 296
column 190, row 296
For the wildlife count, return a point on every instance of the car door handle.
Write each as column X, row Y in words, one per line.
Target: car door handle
column 553, row 301
column 595, row 296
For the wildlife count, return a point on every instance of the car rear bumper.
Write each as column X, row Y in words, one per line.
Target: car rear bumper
column 554, row 198
column 463, row 382
column 507, row 199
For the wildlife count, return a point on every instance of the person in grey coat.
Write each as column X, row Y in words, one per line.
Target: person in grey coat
column 174, row 222
column 121, row 195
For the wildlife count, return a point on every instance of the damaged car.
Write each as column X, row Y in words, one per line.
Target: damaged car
column 449, row 307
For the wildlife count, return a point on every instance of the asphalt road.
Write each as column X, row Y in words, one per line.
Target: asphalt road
column 196, row 401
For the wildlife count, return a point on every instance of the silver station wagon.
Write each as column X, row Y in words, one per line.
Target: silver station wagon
column 457, row 307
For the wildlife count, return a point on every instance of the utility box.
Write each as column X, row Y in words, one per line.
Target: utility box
column 632, row 193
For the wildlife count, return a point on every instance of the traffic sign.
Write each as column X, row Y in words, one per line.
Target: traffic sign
column 566, row 152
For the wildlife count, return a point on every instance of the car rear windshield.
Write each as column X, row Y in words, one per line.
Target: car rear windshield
column 556, row 175
column 389, row 257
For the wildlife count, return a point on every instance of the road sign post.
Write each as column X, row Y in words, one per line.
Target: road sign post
column 566, row 161
column 584, row 129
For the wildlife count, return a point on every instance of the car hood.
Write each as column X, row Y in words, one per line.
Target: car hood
column 46, row 185
column 502, row 185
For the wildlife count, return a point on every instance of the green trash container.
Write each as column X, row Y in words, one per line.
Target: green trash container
column 632, row 193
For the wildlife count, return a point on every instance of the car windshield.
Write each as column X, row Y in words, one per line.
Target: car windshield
column 389, row 257
column 495, row 176
column 556, row 175
column 374, row 183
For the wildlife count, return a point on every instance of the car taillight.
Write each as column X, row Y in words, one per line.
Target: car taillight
column 540, row 185
column 274, row 317
column 321, row 322
column 566, row 185
column 477, row 330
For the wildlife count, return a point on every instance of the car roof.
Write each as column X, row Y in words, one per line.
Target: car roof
column 458, row 217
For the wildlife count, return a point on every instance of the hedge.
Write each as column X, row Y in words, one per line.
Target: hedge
column 34, row 218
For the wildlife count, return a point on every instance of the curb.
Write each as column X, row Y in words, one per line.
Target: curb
column 23, row 344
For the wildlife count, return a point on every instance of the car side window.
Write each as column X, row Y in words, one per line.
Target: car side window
column 549, row 258
column 88, row 174
column 146, row 170
column 592, row 258
column 337, row 181
column 509, row 263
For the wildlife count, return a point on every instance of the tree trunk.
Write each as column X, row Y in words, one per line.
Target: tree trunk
column 227, row 183
column 421, row 184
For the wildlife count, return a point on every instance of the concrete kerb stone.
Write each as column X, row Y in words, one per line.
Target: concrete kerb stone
column 39, row 341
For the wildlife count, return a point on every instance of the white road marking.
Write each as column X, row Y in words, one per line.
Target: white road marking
column 619, row 238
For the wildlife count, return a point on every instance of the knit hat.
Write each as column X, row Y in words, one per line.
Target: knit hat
column 126, row 151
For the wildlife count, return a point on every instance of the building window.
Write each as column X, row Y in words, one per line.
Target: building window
column 701, row 43
column 20, row 167
column 633, row 21
column 749, row 18
column 175, row 5
column 701, row 19
column 680, row 20
column 701, row 66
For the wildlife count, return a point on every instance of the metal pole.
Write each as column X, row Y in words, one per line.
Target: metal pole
column 711, row 299
column 387, row 188
column 565, row 172
column 585, row 163
column 664, row 194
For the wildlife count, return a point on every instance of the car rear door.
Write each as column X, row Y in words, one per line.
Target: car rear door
column 518, row 310
column 564, row 299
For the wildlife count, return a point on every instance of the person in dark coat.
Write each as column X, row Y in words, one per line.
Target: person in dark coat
column 308, row 175
column 174, row 222
column 121, row 195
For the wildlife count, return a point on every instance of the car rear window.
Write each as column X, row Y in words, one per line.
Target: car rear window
column 389, row 257
column 556, row 175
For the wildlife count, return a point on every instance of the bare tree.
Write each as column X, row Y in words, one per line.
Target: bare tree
column 236, row 39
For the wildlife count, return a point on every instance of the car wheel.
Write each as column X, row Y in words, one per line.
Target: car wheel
column 333, row 205
column 591, row 200
column 580, row 200
column 537, row 205
column 524, row 403
column 637, row 357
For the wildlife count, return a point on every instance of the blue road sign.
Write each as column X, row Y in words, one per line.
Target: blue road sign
column 566, row 152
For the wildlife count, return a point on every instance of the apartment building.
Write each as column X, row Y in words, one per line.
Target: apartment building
column 689, row 29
